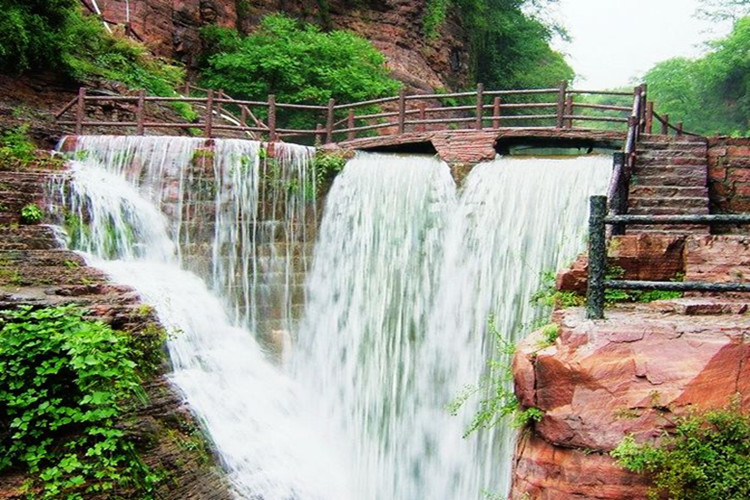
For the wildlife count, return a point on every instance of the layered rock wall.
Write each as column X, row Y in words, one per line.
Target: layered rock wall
column 729, row 176
column 171, row 28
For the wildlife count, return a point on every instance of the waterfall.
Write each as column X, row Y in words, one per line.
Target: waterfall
column 145, row 210
column 404, row 278
column 388, row 329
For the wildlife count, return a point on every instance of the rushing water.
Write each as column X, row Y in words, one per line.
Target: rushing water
column 407, row 269
column 405, row 276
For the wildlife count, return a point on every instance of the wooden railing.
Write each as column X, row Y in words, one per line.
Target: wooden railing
column 218, row 114
column 597, row 261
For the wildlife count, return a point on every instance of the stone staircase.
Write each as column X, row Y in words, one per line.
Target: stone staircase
column 670, row 178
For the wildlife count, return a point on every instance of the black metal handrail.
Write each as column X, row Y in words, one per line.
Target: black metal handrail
column 597, row 282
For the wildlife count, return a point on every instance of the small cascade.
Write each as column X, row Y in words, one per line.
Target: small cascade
column 132, row 205
column 404, row 279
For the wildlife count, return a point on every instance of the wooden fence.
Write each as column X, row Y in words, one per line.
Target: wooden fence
column 218, row 114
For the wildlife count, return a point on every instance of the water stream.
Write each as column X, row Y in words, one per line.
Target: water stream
column 405, row 273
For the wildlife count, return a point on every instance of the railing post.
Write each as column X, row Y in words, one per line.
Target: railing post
column 569, row 111
column 496, row 112
column 209, row 114
column 186, row 90
column 272, row 118
column 140, row 112
column 644, row 106
column 422, row 116
column 619, row 197
column 80, row 110
column 401, row 111
column 597, row 258
column 635, row 118
column 220, row 106
column 329, row 120
column 350, row 125
column 679, row 129
column 665, row 125
column 561, row 104
column 649, row 117
column 243, row 116
column 480, row 106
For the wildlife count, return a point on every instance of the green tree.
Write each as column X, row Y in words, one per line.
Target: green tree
column 711, row 95
column 297, row 62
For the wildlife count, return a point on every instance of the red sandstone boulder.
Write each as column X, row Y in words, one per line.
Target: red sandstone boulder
column 632, row 373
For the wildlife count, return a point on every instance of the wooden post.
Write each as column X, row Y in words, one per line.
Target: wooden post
column 496, row 110
column 644, row 106
column 80, row 110
column 318, row 134
column 329, row 120
column 597, row 257
column 272, row 118
column 186, row 90
column 140, row 112
column 569, row 111
column 422, row 116
column 243, row 116
column 220, row 107
column 350, row 125
column 649, row 117
column 665, row 125
column 619, row 200
column 480, row 106
column 209, row 114
column 679, row 129
column 561, row 103
column 401, row 111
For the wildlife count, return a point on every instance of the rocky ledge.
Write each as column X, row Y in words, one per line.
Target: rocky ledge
column 630, row 374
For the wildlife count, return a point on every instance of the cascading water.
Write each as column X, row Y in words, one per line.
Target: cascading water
column 404, row 279
column 405, row 275
column 120, row 190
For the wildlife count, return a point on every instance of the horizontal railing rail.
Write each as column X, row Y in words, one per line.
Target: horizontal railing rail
column 217, row 113
column 597, row 251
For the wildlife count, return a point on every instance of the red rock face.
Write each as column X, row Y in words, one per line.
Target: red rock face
column 171, row 27
column 632, row 373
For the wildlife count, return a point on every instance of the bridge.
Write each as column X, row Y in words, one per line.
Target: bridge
column 462, row 127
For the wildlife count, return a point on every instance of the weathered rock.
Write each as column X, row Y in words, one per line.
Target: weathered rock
column 648, row 256
column 718, row 259
column 629, row 374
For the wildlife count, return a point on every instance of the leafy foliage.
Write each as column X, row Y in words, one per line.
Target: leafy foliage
column 31, row 214
column 707, row 457
column 16, row 147
column 296, row 62
column 499, row 401
column 711, row 95
column 64, row 382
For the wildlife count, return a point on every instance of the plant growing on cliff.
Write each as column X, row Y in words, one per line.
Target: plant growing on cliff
column 31, row 214
column 706, row 457
column 298, row 63
column 64, row 382
column 499, row 401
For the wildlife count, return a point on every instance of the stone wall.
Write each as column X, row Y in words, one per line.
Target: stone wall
column 729, row 176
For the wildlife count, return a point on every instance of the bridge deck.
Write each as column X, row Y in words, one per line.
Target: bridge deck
column 472, row 146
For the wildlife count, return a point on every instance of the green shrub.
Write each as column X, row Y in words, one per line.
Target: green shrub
column 31, row 214
column 64, row 382
column 705, row 458
column 296, row 62
column 16, row 148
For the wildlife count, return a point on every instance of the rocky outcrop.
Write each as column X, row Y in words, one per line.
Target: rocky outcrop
column 729, row 177
column 34, row 270
column 632, row 373
column 171, row 28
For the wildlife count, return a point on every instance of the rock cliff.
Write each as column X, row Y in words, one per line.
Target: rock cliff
column 171, row 28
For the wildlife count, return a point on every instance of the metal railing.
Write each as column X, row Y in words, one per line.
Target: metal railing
column 597, row 282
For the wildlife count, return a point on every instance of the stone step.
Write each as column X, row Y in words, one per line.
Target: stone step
column 648, row 162
column 661, row 191
column 680, row 177
column 682, row 202
column 670, row 229
column 667, row 210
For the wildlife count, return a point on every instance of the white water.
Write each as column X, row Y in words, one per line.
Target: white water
column 404, row 279
column 271, row 445
column 405, row 275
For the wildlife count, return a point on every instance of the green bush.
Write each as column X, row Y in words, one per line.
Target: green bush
column 64, row 382
column 296, row 62
column 31, row 214
column 16, row 148
column 705, row 458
